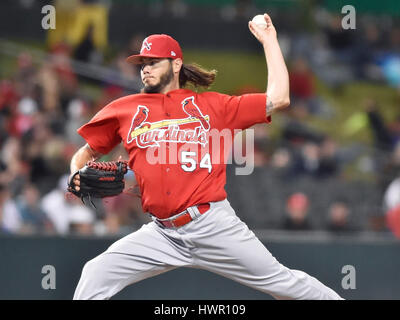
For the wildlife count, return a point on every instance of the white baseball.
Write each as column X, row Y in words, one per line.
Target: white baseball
column 260, row 21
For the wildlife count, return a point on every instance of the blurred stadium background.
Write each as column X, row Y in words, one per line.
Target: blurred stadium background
column 327, row 171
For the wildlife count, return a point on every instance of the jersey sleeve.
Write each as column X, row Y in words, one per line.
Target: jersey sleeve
column 241, row 112
column 101, row 132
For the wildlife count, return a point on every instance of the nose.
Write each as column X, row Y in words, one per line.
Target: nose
column 146, row 69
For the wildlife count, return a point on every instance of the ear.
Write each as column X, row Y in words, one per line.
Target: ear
column 177, row 65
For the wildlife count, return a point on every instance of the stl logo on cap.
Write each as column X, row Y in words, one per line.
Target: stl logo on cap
column 146, row 45
column 157, row 46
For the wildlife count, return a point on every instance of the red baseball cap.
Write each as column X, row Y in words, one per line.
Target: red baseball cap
column 157, row 46
column 298, row 200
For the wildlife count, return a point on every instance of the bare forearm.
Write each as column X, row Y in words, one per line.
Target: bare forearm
column 278, row 77
column 82, row 156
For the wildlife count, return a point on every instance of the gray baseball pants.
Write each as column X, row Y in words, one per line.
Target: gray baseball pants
column 217, row 241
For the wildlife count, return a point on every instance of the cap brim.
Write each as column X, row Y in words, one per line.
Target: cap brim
column 137, row 58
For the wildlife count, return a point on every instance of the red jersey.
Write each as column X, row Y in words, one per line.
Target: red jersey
column 173, row 142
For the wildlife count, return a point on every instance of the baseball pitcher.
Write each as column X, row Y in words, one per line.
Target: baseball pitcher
column 169, row 133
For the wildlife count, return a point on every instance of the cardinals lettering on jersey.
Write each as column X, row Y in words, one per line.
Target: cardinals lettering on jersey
column 149, row 134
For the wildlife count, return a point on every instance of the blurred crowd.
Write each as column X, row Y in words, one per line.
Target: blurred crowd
column 42, row 104
column 335, row 57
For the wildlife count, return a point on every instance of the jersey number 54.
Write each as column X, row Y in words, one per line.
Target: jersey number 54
column 189, row 164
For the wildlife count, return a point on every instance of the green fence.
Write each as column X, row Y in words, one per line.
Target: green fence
column 22, row 259
column 374, row 7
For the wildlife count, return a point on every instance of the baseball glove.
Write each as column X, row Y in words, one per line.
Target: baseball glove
column 99, row 180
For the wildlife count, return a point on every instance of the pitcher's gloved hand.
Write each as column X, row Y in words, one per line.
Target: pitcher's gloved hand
column 99, row 180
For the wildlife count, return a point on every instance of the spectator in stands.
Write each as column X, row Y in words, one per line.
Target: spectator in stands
column 387, row 143
column 34, row 143
column 9, row 215
column 372, row 45
column 384, row 138
column 296, row 217
column 296, row 130
column 337, row 37
column 307, row 161
column 391, row 204
column 319, row 161
column 25, row 75
column 86, row 51
column 81, row 222
column 391, row 198
column 281, row 162
column 27, row 109
column 301, row 80
column 15, row 172
column 49, row 89
column 78, row 113
column 390, row 60
column 343, row 43
column 329, row 162
column 8, row 102
column 66, row 79
column 32, row 218
column 63, row 210
column 302, row 89
column 338, row 217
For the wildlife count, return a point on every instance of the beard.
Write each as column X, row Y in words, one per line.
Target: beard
column 165, row 79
